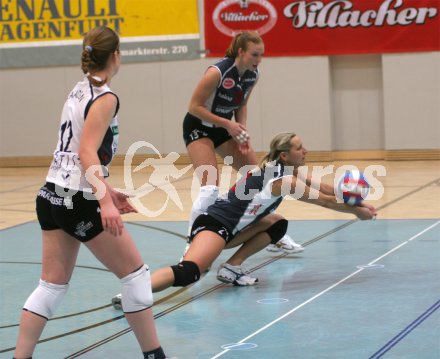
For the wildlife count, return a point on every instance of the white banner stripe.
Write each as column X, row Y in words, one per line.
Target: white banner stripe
column 79, row 42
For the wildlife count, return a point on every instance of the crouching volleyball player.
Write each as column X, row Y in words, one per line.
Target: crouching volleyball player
column 246, row 218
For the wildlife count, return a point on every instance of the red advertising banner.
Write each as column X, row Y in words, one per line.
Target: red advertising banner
column 325, row 27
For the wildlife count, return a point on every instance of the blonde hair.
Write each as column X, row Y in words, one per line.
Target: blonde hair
column 240, row 41
column 98, row 46
column 280, row 143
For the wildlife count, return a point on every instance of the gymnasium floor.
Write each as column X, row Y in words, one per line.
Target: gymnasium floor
column 360, row 289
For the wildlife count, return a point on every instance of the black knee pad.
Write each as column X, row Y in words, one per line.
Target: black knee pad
column 185, row 273
column 277, row 230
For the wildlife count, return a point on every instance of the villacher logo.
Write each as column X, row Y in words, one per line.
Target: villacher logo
column 341, row 13
column 228, row 83
column 233, row 16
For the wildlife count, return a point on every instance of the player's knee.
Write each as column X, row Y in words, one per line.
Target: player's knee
column 277, row 230
column 185, row 273
column 136, row 291
column 46, row 298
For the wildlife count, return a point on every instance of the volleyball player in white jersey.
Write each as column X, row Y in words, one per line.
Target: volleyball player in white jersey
column 246, row 218
column 208, row 128
column 77, row 205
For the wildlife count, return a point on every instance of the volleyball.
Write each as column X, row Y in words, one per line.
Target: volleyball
column 352, row 187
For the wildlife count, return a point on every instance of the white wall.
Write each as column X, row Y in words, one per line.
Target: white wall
column 412, row 100
column 357, row 102
column 293, row 95
column 368, row 102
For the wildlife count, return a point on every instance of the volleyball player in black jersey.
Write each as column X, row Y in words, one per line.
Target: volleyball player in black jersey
column 217, row 118
column 246, row 218
column 217, row 114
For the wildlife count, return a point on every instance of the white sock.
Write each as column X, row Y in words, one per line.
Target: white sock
column 206, row 197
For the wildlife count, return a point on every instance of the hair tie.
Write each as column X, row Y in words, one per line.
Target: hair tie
column 88, row 48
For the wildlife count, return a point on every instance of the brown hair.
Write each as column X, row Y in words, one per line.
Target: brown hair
column 241, row 40
column 280, row 143
column 98, row 46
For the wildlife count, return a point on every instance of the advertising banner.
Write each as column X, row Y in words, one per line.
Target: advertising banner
column 325, row 27
column 49, row 32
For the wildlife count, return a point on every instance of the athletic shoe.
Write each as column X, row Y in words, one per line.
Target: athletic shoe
column 235, row 275
column 287, row 245
column 117, row 301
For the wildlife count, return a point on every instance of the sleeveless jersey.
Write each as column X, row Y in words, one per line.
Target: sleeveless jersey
column 249, row 200
column 232, row 90
column 66, row 169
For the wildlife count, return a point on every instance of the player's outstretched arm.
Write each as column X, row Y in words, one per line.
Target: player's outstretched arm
column 363, row 211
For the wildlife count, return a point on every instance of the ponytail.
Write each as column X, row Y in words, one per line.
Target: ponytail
column 280, row 143
column 98, row 46
column 240, row 41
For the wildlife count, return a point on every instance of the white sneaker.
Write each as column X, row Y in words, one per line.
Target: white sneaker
column 287, row 245
column 117, row 301
column 235, row 275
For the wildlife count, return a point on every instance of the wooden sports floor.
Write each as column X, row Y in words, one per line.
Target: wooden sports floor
column 367, row 289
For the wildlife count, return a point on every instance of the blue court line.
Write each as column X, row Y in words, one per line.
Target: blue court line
column 405, row 331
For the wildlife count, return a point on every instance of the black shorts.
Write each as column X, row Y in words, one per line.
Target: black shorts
column 205, row 222
column 194, row 130
column 78, row 215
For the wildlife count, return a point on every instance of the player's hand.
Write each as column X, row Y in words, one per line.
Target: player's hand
column 245, row 148
column 120, row 200
column 238, row 132
column 111, row 219
column 365, row 211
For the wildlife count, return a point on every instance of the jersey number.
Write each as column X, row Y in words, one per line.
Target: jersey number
column 65, row 137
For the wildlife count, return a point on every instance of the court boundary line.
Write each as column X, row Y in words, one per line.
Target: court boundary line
column 212, row 289
column 141, row 224
column 127, row 330
column 171, row 309
column 175, row 293
column 328, row 289
column 16, row 225
column 66, row 315
column 346, row 224
column 402, row 334
column 107, row 321
column 19, row 188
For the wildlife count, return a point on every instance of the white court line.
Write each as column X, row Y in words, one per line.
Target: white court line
column 328, row 289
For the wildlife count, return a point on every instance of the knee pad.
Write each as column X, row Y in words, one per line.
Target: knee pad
column 45, row 299
column 277, row 230
column 136, row 291
column 185, row 273
column 206, row 197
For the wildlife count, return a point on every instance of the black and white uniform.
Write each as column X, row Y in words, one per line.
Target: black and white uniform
column 247, row 202
column 66, row 200
column 232, row 91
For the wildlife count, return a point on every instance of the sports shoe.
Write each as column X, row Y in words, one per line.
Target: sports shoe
column 285, row 244
column 235, row 275
column 117, row 301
